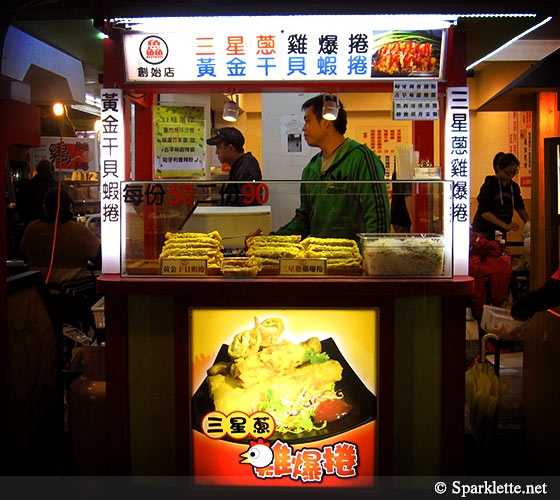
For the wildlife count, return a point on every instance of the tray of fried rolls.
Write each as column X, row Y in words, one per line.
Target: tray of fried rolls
column 189, row 245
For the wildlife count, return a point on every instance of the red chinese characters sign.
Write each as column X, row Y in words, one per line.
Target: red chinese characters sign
column 72, row 154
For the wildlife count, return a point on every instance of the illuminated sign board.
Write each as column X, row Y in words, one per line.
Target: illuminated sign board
column 284, row 397
column 78, row 155
column 111, row 173
column 285, row 48
column 457, row 169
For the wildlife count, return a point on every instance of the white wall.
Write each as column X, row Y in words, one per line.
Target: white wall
column 281, row 112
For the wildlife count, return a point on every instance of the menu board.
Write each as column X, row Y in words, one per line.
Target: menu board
column 179, row 142
column 284, row 397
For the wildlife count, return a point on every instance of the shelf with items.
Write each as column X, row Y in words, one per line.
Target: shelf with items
column 85, row 196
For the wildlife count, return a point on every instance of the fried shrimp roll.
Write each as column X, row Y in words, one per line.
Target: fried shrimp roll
column 245, row 343
column 270, row 330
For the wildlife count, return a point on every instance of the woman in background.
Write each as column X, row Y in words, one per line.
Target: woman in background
column 75, row 245
column 499, row 198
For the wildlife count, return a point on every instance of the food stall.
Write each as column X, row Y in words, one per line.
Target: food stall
column 295, row 361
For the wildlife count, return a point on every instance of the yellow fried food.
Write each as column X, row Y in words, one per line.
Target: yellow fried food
column 245, row 343
column 196, row 243
column 270, row 330
column 269, row 362
column 213, row 234
column 357, row 262
column 275, row 252
column 334, row 253
column 338, row 242
column 264, row 240
column 221, row 367
column 206, row 253
column 229, row 395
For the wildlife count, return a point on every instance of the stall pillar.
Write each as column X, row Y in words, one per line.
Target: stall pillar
column 545, row 125
column 20, row 123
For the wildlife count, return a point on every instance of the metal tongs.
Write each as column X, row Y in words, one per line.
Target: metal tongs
column 258, row 232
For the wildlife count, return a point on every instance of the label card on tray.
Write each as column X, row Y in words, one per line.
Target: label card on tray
column 303, row 267
column 183, row 267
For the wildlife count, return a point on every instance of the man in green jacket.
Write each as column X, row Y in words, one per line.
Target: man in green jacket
column 338, row 208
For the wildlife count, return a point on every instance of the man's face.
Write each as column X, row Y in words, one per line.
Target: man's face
column 313, row 130
column 224, row 152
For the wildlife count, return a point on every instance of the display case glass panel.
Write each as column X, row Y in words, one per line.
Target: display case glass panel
column 320, row 229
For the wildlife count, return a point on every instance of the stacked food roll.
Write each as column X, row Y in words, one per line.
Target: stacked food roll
column 269, row 249
column 339, row 252
column 194, row 246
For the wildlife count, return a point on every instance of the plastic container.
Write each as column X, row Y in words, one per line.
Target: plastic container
column 98, row 310
column 413, row 255
column 498, row 320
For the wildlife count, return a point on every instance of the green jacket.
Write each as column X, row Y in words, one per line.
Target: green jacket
column 337, row 209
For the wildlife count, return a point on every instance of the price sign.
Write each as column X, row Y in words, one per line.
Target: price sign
column 303, row 267
column 183, row 267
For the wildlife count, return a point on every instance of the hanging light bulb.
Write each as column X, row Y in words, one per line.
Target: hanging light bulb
column 231, row 110
column 330, row 107
column 58, row 109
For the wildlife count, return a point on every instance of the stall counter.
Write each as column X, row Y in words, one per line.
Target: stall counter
column 420, row 363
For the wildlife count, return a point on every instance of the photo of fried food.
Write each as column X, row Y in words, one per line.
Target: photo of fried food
column 293, row 382
column 405, row 57
column 319, row 398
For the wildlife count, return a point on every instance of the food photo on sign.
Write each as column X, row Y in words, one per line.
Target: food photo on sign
column 287, row 396
column 406, row 54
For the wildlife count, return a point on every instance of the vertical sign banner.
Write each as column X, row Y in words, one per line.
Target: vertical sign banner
column 284, row 397
column 110, row 175
column 179, row 142
column 457, row 169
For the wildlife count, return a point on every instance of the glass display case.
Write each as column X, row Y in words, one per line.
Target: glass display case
column 287, row 229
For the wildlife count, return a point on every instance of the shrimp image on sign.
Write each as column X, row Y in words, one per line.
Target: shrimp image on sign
column 294, row 383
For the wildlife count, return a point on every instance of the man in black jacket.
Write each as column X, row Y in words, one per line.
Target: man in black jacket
column 244, row 166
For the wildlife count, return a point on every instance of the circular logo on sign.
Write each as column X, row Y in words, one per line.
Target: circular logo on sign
column 153, row 49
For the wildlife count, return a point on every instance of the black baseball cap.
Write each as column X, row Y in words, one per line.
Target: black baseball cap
column 228, row 134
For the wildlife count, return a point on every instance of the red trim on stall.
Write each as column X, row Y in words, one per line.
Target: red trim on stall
column 116, row 374
column 453, row 386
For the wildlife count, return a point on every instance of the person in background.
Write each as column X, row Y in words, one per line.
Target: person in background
column 29, row 200
column 337, row 209
column 75, row 245
column 244, row 166
column 499, row 198
column 541, row 299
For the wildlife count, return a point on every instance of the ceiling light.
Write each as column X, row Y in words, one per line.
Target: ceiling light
column 330, row 107
column 231, row 110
